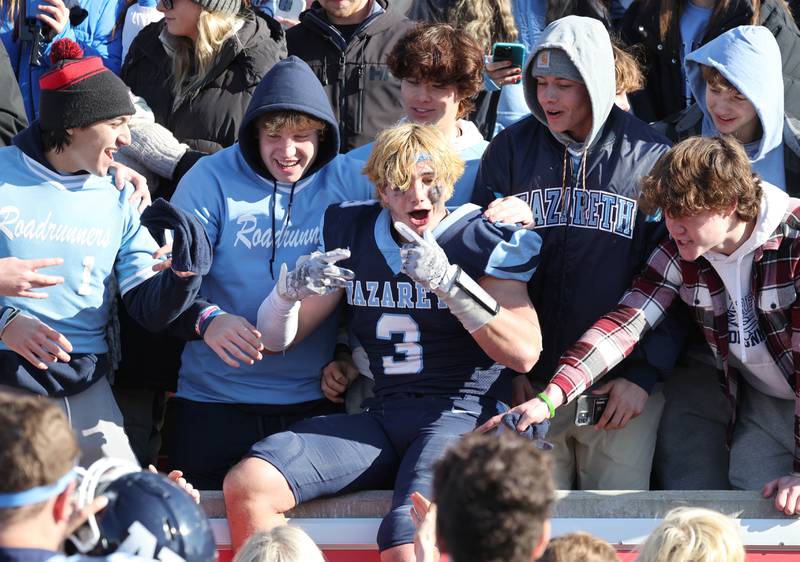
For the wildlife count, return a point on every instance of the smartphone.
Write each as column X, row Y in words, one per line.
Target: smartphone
column 515, row 52
column 590, row 408
column 289, row 9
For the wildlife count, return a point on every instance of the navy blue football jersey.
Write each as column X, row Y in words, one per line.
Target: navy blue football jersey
column 414, row 343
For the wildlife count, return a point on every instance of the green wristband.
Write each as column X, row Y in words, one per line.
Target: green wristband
column 546, row 399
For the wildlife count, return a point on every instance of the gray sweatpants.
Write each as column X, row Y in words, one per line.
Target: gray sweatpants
column 97, row 422
column 691, row 452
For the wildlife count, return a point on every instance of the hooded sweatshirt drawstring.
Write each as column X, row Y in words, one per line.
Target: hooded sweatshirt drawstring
column 581, row 173
column 738, row 307
column 284, row 225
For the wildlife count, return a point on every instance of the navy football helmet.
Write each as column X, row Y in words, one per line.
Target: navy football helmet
column 147, row 515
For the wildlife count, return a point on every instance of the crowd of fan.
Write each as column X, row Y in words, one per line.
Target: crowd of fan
column 298, row 315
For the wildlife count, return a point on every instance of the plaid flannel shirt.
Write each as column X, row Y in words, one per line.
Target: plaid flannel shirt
column 775, row 282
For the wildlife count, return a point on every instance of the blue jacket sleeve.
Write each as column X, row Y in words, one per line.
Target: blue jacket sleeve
column 160, row 300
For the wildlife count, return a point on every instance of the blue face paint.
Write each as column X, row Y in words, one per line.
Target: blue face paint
column 38, row 494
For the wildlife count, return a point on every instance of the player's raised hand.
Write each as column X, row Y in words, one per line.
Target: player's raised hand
column 314, row 274
column 18, row 277
column 35, row 341
column 422, row 258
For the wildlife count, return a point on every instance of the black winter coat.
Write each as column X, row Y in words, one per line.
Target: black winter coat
column 663, row 94
column 12, row 109
column 364, row 96
column 208, row 118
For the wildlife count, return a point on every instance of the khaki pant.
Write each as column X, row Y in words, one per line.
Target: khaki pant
column 617, row 459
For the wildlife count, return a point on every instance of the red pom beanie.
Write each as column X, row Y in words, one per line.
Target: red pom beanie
column 78, row 91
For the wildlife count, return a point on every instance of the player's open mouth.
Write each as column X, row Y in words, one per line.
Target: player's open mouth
column 420, row 217
column 110, row 153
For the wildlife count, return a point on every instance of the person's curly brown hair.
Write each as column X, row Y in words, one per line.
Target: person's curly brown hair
column 494, row 494
column 439, row 53
column 702, row 174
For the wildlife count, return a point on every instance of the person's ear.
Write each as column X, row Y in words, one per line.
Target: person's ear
column 544, row 540
column 63, row 507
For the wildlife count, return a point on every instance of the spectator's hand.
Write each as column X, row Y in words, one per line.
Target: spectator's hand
column 521, row 390
column 503, row 72
column 234, row 339
column 787, row 493
column 336, row 377
column 36, row 342
column 18, row 277
column 423, row 514
column 177, row 477
column 55, row 14
column 530, row 412
column 626, row 401
column 140, row 198
column 286, row 22
column 164, row 251
column 510, row 210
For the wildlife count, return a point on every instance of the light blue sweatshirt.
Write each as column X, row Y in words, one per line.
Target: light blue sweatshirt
column 749, row 58
column 255, row 224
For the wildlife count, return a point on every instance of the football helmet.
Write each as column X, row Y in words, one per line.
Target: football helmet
column 147, row 515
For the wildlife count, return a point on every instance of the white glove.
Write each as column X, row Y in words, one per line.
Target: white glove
column 314, row 275
column 424, row 260
column 426, row 263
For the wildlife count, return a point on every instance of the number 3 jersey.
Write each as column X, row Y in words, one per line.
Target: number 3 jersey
column 414, row 344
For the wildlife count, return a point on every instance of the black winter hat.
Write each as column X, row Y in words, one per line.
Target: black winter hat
column 78, row 91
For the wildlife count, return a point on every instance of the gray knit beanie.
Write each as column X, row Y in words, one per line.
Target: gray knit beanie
column 222, row 6
column 555, row 62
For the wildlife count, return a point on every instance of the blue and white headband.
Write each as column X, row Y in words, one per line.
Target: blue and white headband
column 37, row 494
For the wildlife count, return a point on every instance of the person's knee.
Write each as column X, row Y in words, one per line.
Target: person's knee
column 254, row 479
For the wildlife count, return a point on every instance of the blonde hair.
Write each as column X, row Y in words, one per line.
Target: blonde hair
column 8, row 11
column 579, row 546
column 627, row 70
column 277, row 121
column 281, row 544
column 194, row 59
column 488, row 21
column 397, row 151
column 693, row 534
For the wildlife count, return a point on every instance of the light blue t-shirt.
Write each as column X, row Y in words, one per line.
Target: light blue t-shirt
column 86, row 221
column 239, row 210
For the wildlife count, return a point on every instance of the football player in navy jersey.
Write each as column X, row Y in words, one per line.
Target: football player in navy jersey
column 437, row 298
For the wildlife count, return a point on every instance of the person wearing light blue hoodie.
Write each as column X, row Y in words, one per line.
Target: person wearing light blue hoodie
column 736, row 80
column 261, row 201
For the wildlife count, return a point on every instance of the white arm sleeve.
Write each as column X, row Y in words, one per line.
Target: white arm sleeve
column 277, row 321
